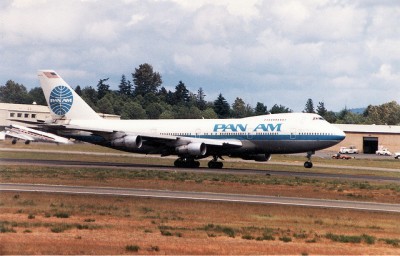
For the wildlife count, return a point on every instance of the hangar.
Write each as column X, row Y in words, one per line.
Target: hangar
column 367, row 138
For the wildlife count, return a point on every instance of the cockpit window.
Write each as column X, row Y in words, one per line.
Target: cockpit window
column 318, row 118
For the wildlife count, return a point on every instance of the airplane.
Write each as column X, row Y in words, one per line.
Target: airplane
column 18, row 132
column 251, row 138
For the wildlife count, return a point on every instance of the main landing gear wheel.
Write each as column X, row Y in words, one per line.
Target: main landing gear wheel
column 214, row 164
column 309, row 164
column 186, row 163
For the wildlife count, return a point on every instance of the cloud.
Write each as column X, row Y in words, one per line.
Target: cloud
column 268, row 51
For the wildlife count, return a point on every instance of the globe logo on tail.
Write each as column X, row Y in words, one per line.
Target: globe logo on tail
column 61, row 100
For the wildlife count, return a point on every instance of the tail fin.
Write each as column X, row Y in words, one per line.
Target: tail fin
column 62, row 100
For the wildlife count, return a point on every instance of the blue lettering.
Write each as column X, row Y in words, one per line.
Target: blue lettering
column 230, row 127
column 268, row 127
column 219, row 127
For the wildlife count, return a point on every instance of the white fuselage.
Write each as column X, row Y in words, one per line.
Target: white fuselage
column 277, row 133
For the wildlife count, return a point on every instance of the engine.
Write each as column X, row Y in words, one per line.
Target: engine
column 256, row 157
column 129, row 141
column 193, row 149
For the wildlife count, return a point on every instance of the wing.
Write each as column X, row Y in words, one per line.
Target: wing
column 151, row 139
column 19, row 136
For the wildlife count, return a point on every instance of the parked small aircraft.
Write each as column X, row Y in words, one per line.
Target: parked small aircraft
column 18, row 132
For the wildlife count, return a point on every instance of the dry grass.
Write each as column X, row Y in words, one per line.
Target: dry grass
column 106, row 225
column 33, row 223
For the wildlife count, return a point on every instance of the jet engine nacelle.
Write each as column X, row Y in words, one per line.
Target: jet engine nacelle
column 193, row 149
column 129, row 141
column 257, row 157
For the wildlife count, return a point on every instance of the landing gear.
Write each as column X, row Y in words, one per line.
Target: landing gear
column 184, row 162
column 14, row 141
column 214, row 164
column 309, row 164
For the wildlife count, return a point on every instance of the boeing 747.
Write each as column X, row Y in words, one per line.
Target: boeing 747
column 250, row 138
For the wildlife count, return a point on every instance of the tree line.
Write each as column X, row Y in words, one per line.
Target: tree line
column 143, row 96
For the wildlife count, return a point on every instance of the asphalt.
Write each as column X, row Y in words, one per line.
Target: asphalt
column 202, row 196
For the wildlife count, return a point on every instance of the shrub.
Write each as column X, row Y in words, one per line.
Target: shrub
column 368, row 239
column 155, row 248
column 132, row 248
column 285, row 239
column 248, row 237
column 61, row 215
column 31, row 216
column 343, row 238
column 165, row 233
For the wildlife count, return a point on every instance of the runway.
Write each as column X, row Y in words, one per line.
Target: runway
column 201, row 196
column 85, row 164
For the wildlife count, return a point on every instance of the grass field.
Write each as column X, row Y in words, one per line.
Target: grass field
column 38, row 223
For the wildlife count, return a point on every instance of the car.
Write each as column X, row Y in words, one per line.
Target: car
column 397, row 155
column 341, row 156
column 349, row 150
column 383, row 152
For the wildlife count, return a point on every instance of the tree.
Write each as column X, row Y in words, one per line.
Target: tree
column 221, row 107
column 260, row 109
column 200, row 99
column 279, row 109
column 125, row 87
column 89, row 94
column 209, row 113
column 321, row 110
column 36, row 94
column 105, row 106
column 154, row 110
column 133, row 110
column 181, row 93
column 146, row 80
column 387, row 113
column 78, row 90
column 13, row 92
column 238, row 108
column 102, row 88
column 309, row 108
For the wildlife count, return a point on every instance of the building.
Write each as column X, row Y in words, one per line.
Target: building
column 11, row 113
column 367, row 138
column 23, row 112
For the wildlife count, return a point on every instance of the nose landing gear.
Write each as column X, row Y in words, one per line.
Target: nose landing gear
column 308, row 163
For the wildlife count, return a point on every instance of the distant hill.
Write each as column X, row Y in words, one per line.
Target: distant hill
column 357, row 110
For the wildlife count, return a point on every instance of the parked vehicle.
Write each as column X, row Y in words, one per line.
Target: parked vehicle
column 341, row 156
column 348, row 150
column 383, row 152
column 397, row 155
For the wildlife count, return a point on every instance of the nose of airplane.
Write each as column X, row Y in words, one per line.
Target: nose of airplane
column 340, row 134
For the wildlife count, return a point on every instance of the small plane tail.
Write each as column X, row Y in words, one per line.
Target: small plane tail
column 63, row 101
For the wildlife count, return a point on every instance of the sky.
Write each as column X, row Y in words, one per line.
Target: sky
column 343, row 53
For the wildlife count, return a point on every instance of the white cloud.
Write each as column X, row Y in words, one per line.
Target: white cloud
column 281, row 51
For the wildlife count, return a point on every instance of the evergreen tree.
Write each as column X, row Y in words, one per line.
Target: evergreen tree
column 78, row 90
column 260, row 109
column 221, row 107
column 146, row 80
column 309, row 108
column 279, row 109
column 37, row 95
column 125, row 87
column 238, row 108
column 105, row 106
column 321, row 110
column 13, row 92
column 102, row 88
column 200, row 99
column 181, row 93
